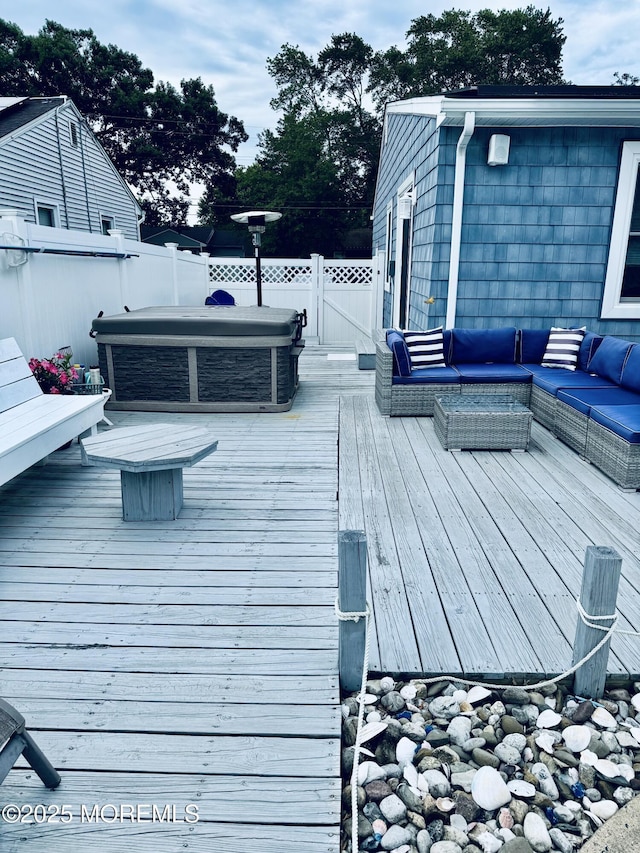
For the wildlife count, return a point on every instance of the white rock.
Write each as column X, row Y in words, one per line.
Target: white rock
column 477, row 694
column 369, row 771
column 344, row 710
column 520, row 788
column 463, row 780
column 536, row 833
column 603, row 718
column 459, row 695
column 405, row 750
column 574, row 807
column 393, row 809
column 547, row 719
column 489, row 789
column 545, row 780
column 409, row 692
column 458, row 821
column 395, row 838
column 374, row 717
column 561, row 841
column 515, row 740
column 445, row 707
column 505, row 834
column 588, row 757
column 636, row 733
column 607, row 768
column 626, row 740
column 387, row 684
column 626, row 771
column 490, row 844
column 604, row 809
column 370, row 699
column 551, row 702
column 423, row 841
column 577, row 738
column 446, row 847
column 410, row 774
column 423, row 785
column 635, row 701
column 459, row 730
column 564, row 813
column 507, row 754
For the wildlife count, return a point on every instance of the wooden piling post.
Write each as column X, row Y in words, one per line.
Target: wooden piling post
column 352, row 598
column 598, row 595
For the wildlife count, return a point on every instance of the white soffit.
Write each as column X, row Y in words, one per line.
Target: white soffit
column 519, row 112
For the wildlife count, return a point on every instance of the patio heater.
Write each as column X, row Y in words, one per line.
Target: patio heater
column 257, row 222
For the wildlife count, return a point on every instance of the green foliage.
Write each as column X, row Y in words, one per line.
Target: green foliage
column 460, row 49
column 161, row 139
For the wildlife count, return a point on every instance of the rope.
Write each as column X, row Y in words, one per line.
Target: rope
column 589, row 620
column 356, row 617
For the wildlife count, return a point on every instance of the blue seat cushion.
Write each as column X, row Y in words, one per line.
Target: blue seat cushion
column 588, row 347
column 401, row 360
column 621, row 420
column 552, row 379
column 476, row 374
column 484, row 346
column 630, row 378
column 582, row 399
column 533, row 343
column 609, row 358
column 429, row 376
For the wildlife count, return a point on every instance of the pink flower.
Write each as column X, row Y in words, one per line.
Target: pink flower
column 54, row 391
column 63, row 377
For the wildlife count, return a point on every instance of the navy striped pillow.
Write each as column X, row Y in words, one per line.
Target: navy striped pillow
column 426, row 349
column 563, row 348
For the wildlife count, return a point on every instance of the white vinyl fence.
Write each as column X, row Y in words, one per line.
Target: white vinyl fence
column 53, row 282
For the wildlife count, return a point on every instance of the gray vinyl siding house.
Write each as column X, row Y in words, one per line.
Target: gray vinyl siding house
column 54, row 171
column 548, row 233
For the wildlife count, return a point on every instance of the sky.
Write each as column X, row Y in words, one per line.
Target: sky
column 227, row 43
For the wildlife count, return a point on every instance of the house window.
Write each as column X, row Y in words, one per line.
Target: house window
column 47, row 214
column 621, row 299
column 106, row 223
column 389, row 248
column 73, row 131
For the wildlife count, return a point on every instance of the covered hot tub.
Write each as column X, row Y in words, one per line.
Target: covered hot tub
column 221, row 359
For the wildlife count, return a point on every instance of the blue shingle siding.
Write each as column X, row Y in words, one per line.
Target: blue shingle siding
column 535, row 233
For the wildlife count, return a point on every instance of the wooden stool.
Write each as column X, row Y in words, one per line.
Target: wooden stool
column 150, row 459
column 19, row 742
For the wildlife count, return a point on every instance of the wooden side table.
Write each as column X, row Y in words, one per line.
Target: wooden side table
column 150, row 459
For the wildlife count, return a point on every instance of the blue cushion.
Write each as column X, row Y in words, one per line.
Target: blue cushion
column 401, row 360
column 582, row 399
column 429, row 376
column 446, row 345
column 609, row 358
column 533, row 343
column 589, row 345
column 483, row 346
column 475, row 374
column 551, row 379
column 622, row 420
column 631, row 371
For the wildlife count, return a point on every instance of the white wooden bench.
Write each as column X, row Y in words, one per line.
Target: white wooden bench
column 33, row 424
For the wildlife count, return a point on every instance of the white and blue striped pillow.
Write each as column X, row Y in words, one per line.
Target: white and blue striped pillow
column 563, row 347
column 426, row 349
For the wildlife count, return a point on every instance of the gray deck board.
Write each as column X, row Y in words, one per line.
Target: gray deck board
column 501, row 544
column 184, row 661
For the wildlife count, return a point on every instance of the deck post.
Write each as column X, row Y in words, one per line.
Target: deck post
column 352, row 598
column 600, row 580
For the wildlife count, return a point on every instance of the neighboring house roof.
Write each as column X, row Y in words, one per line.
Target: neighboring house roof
column 188, row 237
column 19, row 114
column 20, row 111
column 535, row 106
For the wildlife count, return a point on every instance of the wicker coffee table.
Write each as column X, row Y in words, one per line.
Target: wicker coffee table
column 467, row 422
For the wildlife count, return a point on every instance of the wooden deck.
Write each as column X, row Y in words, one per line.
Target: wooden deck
column 475, row 558
column 190, row 661
column 195, row 661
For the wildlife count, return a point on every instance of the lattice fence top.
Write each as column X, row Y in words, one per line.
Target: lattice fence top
column 271, row 274
column 243, row 271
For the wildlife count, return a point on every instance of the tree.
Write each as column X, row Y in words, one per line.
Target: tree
column 319, row 164
column 460, row 49
column 161, row 139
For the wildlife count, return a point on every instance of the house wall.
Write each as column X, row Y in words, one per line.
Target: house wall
column 34, row 167
column 535, row 233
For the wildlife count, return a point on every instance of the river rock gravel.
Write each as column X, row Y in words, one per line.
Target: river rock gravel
column 446, row 769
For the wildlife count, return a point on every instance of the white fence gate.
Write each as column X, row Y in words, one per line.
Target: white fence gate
column 338, row 296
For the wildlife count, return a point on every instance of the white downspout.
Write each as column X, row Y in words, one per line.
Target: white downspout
column 456, row 218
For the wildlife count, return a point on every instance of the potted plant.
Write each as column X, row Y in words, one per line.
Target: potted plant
column 55, row 375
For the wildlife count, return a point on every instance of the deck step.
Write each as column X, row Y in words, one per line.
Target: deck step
column 365, row 354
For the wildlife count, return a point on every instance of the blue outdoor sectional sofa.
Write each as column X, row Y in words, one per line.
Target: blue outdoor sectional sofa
column 594, row 408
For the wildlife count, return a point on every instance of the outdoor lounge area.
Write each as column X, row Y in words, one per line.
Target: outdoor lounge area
column 194, row 661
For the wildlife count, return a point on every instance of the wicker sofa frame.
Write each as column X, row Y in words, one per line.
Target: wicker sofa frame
column 615, row 456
